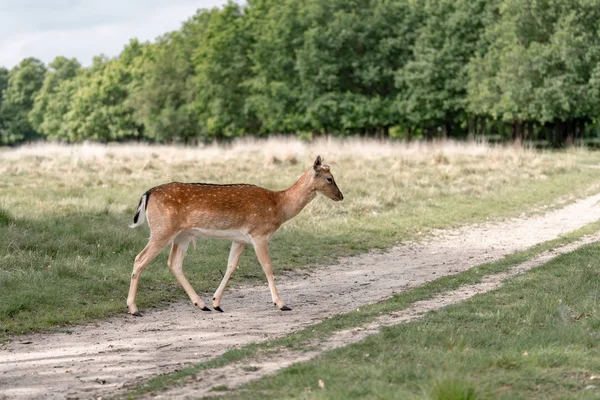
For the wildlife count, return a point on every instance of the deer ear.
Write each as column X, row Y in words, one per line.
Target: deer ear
column 317, row 165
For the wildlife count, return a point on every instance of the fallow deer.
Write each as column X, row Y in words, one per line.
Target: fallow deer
column 179, row 212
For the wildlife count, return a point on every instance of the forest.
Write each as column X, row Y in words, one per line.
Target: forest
column 506, row 70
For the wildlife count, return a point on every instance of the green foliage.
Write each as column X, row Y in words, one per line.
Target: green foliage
column 222, row 67
column 3, row 82
column 401, row 68
column 98, row 109
column 164, row 100
column 541, row 64
column 52, row 102
column 348, row 61
column 275, row 91
column 435, row 79
column 24, row 81
column 3, row 86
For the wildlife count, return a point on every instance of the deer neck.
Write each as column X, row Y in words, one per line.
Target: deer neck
column 294, row 199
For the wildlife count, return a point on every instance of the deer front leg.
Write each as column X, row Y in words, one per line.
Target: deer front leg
column 232, row 263
column 176, row 256
column 262, row 252
column 152, row 249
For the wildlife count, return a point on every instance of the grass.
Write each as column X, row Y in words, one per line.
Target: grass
column 303, row 339
column 535, row 337
column 66, row 252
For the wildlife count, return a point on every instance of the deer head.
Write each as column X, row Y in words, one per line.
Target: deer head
column 323, row 181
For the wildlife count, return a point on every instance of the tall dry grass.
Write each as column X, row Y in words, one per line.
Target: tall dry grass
column 273, row 149
column 375, row 176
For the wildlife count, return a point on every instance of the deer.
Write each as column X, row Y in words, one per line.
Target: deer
column 177, row 213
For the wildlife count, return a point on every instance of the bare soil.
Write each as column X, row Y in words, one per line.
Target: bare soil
column 105, row 358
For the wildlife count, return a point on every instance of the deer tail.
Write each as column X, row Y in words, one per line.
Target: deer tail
column 140, row 214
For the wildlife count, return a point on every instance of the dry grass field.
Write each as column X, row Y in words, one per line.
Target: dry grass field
column 379, row 177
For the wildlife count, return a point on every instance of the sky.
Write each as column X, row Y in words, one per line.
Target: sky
column 83, row 29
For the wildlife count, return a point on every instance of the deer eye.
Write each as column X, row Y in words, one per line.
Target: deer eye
column 330, row 180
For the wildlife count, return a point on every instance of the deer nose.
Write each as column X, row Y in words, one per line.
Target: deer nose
column 341, row 196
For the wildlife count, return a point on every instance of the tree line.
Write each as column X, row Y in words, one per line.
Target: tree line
column 506, row 69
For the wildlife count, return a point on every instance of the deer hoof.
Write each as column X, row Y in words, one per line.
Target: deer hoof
column 218, row 308
column 206, row 309
column 137, row 314
column 285, row 308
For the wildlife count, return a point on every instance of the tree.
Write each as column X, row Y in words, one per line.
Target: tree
column 275, row 91
column 3, row 82
column 52, row 101
column 24, row 81
column 435, row 81
column 3, row 86
column 541, row 67
column 351, row 53
column 163, row 101
column 99, row 108
column 222, row 68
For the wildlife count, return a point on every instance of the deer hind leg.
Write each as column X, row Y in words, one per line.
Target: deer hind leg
column 178, row 250
column 152, row 249
column 232, row 263
column 262, row 252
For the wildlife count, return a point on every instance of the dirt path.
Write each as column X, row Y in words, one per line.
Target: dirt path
column 100, row 359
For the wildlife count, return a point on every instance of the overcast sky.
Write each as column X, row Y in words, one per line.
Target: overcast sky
column 85, row 28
